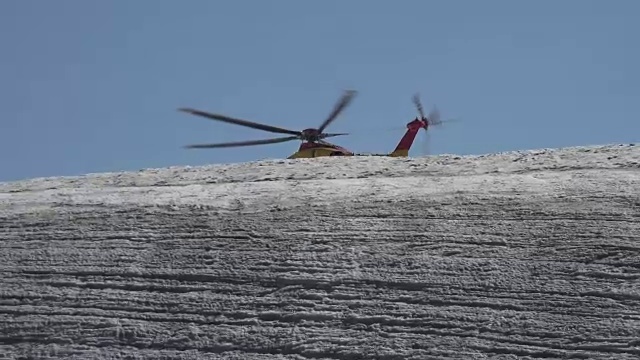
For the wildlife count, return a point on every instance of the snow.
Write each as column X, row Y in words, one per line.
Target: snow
column 529, row 254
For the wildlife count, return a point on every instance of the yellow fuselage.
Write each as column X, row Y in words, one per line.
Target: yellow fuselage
column 318, row 152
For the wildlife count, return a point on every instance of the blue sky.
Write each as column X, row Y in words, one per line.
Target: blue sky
column 92, row 86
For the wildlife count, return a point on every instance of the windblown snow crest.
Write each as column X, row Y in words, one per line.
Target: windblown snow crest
column 519, row 255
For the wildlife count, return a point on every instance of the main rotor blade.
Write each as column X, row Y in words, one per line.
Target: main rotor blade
column 322, row 136
column 241, row 122
column 242, row 143
column 418, row 104
column 342, row 103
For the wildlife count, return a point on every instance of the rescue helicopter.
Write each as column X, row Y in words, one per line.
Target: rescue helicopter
column 313, row 139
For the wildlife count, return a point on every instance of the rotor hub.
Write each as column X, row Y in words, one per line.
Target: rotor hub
column 311, row 134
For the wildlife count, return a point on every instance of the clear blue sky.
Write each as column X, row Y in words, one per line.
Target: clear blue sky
column 92, row 86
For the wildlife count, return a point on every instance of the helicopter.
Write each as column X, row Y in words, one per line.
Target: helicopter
column 313, row 139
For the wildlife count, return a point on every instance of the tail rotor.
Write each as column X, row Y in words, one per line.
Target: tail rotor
column 432, row 119
column 424, row 144
column 418, row 104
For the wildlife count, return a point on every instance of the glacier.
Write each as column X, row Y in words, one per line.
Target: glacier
column 516, row 255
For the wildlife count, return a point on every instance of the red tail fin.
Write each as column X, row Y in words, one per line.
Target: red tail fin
column 402, row 149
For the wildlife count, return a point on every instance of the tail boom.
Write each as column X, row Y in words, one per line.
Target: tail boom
column 403, row 147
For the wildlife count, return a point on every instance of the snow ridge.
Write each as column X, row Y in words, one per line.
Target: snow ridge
column 531, row 254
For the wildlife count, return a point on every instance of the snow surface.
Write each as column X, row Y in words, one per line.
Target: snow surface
column 531, row 254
